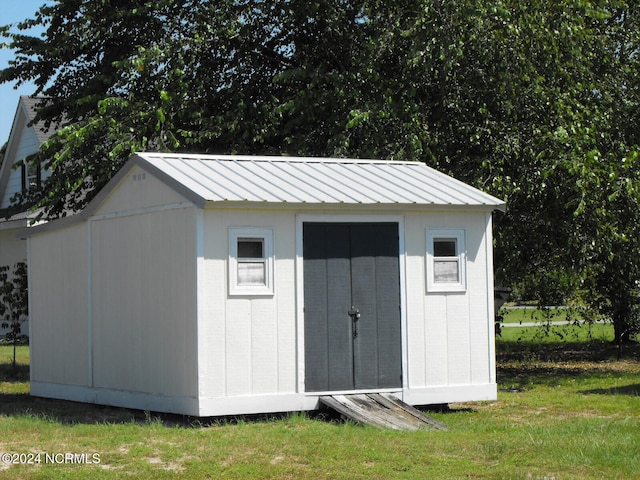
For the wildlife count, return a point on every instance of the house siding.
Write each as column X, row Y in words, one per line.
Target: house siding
column 28, row 145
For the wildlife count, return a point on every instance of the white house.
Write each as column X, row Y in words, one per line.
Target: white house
column 214, row 285
column 16, row 176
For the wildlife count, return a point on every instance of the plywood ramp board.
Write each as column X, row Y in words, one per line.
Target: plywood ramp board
column 382, row 411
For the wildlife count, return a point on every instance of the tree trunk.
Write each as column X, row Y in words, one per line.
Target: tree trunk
column 622, row 331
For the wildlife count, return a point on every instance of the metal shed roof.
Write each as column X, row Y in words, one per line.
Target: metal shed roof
column 259, row 179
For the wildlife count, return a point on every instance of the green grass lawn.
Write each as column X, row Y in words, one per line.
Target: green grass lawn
column 558, row 333
column 532, row 314
column 565, row 410
column 547, row 331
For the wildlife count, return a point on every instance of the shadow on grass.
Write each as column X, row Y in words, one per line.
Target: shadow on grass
column 65, row 412
column 630, row 390
column 562, row 352
column 522, row 377
column 68, row 412
column 14, row 374
column 523, row 364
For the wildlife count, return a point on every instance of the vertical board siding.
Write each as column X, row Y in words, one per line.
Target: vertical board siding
column 286, row 334
column 238, row 349
column 143, row 293
column 447, row 332
column 264, row 347
column 480, row 318
column 458, row 339
column 247, row 343
column 212, row 324
column 436, row 344
column 59, row 329
column 418, row 331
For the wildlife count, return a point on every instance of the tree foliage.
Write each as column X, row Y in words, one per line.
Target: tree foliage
column 536, row 102
column 14, row 302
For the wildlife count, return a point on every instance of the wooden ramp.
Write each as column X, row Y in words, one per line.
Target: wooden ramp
column 381, row 410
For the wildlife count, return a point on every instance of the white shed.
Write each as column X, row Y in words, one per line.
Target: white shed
column 213, row 285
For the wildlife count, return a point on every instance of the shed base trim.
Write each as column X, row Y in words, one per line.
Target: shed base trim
column 252, row 404
column 450, row 394
column 117, row 398
column 244, row 405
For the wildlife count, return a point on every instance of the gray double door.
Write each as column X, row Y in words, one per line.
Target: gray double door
column 351, row 306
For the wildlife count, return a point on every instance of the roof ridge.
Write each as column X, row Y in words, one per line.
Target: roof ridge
column 273, row 158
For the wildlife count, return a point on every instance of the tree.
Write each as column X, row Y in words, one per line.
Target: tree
column 14, row 302
column 535, row 102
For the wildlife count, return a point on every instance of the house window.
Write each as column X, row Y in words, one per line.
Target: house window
column 250, row 261
column 31, row 176
column 446, row 261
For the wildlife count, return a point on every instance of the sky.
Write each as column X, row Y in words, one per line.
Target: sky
column 13, row 11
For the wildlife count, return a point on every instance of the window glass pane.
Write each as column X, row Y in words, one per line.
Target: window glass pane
column 446, row 271
column 32, row 170
column 250, row 248
column 251, row 273
column 444, row 247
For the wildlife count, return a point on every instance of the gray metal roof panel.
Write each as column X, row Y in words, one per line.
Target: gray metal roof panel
column 237, row 178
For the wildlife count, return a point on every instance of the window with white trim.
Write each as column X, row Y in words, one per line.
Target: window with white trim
column 250, row 261
column 446, row 261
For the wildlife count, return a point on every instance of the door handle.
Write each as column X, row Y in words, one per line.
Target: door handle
column 354, row 313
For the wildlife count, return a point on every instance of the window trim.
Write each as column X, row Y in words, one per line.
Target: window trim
column 461, row 258
column 264, row 234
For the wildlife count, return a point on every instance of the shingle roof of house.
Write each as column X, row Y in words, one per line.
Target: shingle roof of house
column 31, row 109
column 258, row 179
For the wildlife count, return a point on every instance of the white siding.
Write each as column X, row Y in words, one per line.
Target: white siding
column 138, row 190
column 449, row 341
column 58, row 307
column 247, row 344
column 143, row 303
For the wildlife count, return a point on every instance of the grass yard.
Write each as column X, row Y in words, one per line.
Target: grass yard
column 565, row 410
column 532, row 314
column 550, row 333
column 549, row 326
